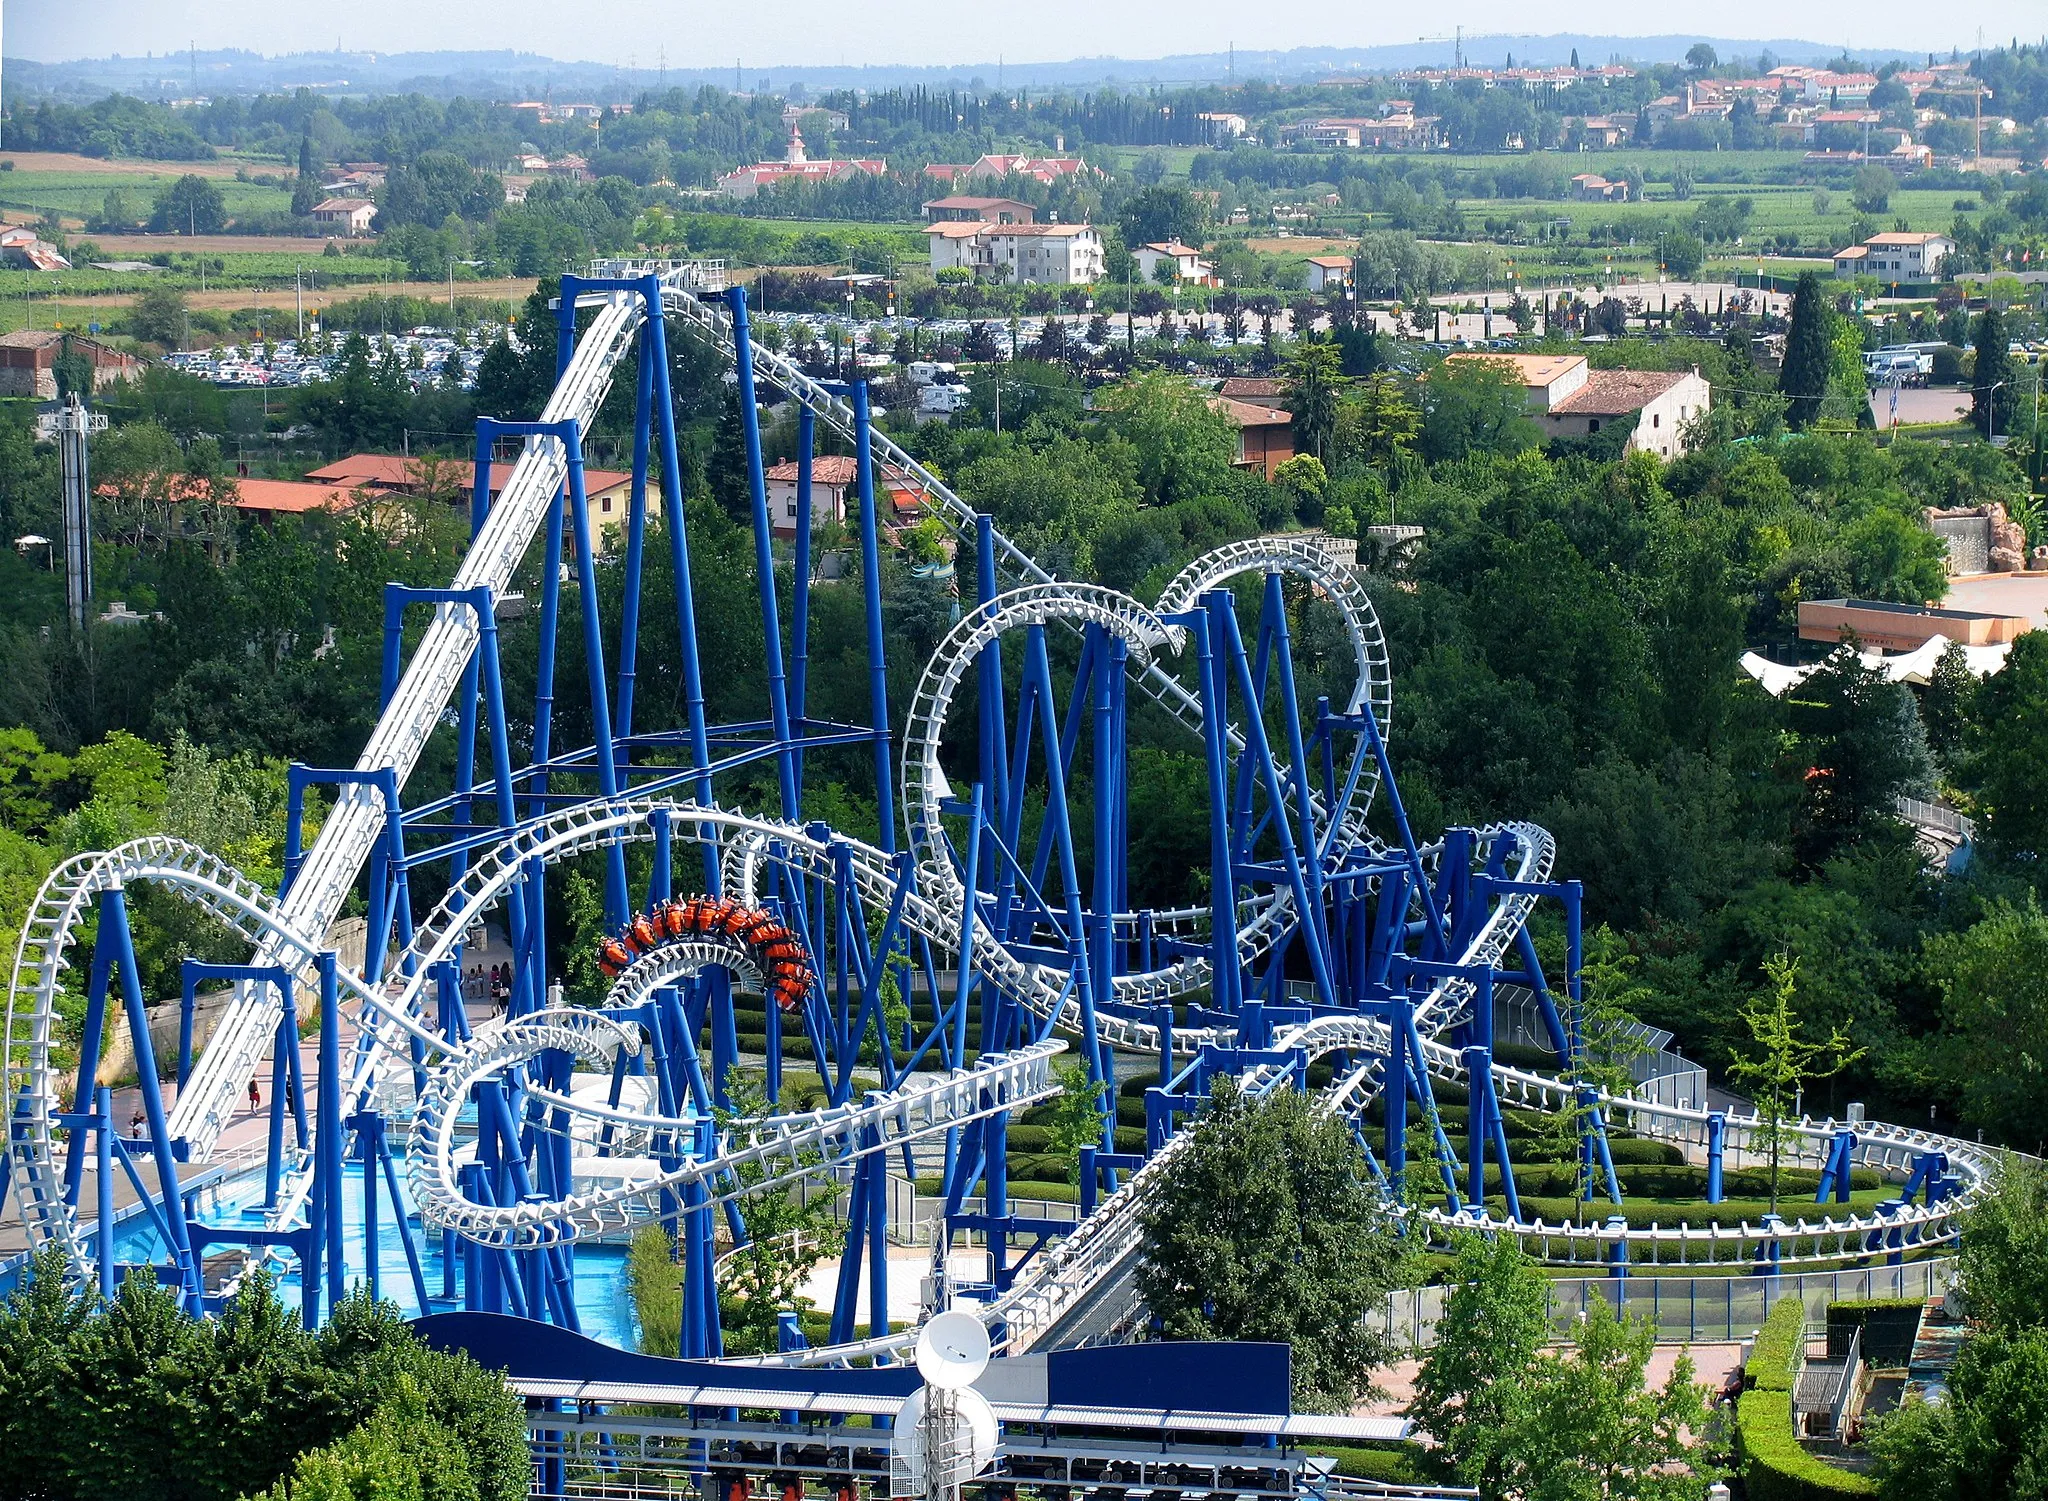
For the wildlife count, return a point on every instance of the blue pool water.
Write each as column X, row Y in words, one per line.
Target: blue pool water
column 603, row 1305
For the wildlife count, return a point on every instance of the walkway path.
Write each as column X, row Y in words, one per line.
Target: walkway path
column 1711, row 1367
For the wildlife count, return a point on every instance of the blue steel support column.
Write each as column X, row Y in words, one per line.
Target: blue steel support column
column 565, row 324
column 871, row 590
column 800, row 602
column 115, row 933
column 656, row 330
column 636, row 529
column 366, row 1154
column 480, row 477
column 90, row 1032
column 544, row 662
column 1717, row 1149
column 963, row 975
column 617, row 903
column 1108, row 855
column 877, row 1166
column 988, row 678
column 764, row 553
column 1478, row 1129
column 187, row 999
column 1222, row 883
column 327, row 1129
column 280, row 1082
column 1394, row 1092
column 103, row 1185
column 465, row 753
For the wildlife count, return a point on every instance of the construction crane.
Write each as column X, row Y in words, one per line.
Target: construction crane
column 1457, row 41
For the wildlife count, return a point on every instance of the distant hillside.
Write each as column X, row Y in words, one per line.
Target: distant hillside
column 517, row 75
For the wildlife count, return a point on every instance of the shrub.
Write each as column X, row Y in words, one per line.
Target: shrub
column 1777, row 1342
column 1389, row 1466
column 1768, row 1456
column 1773, row 1466
column 656, row 1285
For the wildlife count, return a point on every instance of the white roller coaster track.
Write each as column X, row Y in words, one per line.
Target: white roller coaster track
column 291, row 931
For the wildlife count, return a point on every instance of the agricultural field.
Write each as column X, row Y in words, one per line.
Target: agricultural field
column 77, row 195
column 1777, row 211
column 1657, row 167
column 255, row 267
column 1122, row 159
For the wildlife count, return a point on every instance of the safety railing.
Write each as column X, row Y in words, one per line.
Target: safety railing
column 1689, row 1310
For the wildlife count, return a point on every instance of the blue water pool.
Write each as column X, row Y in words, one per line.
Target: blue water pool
column 603, row 1305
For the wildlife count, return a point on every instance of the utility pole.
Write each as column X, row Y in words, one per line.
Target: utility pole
column 299, row 300
column 68, row 425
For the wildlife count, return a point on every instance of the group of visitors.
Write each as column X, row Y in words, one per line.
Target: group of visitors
column 493, row 984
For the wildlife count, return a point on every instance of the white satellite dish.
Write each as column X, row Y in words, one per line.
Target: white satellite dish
column 952, row 1350
column 944, row 1438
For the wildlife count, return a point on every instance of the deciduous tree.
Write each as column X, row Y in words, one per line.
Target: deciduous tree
column 1782, row 1063
column 1267, row 1225
column 1473, row 1387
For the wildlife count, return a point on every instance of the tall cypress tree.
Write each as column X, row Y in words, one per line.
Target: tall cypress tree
column 1809, row 354
column 1991, row 384
column 304, row 192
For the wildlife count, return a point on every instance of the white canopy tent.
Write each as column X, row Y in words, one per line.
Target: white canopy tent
column 1914, row 667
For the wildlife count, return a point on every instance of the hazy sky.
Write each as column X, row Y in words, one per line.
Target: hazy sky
column 698, row 34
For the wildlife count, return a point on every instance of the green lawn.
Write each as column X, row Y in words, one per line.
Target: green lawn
column 1177, row 158
column 1776, row 211
column 80, row 194
column 1656, row 166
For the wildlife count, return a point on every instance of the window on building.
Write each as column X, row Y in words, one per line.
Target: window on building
column 1656, row 419
column 606, row 503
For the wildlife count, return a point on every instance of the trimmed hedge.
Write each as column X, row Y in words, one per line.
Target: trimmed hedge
column 1777, row 1343
column 932, row 1186
column 1773, row 1466
column 1643, row 1213
column 1659, row 1180
column 1767, row 1454
column 1046, row 1193
column 1039, row 1139
column 1389, row 1466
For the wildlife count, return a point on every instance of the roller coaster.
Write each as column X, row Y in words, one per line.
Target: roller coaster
column 931, row 976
